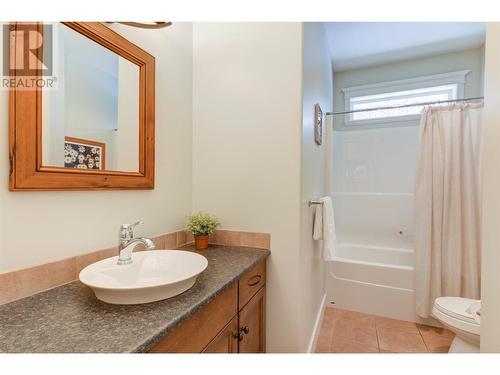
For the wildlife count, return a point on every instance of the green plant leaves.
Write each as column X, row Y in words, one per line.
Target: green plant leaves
column 202, row 224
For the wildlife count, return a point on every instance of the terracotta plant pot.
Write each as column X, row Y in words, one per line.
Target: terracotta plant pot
column 201, row 242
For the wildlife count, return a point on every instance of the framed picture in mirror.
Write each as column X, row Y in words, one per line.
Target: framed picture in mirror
column 84, row 154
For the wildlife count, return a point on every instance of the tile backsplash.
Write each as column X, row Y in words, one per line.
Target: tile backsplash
column 25, row 282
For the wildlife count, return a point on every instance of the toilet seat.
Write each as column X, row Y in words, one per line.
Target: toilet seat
column 456, row 312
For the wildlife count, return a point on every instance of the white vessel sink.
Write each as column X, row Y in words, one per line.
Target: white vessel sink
column 152, row 276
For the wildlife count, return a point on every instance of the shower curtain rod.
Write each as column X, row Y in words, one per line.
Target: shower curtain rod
column 403, row 106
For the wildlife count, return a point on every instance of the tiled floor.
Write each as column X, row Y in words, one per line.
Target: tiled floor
column 344, row 331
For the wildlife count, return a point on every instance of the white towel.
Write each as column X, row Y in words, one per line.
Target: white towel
column 324, row 227
column 318, row 223
column 329, row 234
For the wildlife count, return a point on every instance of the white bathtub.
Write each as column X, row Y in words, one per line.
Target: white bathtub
column 371, row 279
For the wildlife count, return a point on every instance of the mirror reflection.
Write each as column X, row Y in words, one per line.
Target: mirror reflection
column 91, row 120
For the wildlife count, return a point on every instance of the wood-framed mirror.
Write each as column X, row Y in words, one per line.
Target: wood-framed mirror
column 92, row 126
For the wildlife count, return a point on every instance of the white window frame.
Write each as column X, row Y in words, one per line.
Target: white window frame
column 457, row 78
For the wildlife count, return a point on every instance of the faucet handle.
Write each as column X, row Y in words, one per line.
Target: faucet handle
column 133, row 225
column 127, row 230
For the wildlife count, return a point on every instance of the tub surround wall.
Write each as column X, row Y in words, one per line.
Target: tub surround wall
column 26, row 282
column 374, row 172
column 374, row 168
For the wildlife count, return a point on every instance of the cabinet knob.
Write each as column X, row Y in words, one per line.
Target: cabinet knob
column 238, row 336
column 245, row 330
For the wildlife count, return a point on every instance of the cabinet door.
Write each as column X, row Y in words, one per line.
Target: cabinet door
column 226, row 341
column 193, row 335
column 253, row 324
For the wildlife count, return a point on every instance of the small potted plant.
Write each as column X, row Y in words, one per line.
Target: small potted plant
column 201, row 225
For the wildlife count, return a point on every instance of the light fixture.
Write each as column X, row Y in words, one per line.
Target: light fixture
column 146, row 25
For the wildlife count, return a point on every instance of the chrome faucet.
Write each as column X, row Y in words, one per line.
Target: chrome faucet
column 127, row 243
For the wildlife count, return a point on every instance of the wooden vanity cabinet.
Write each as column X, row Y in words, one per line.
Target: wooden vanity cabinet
column 251, row 282
column 252, row 324
column 226, row 341
column 234, row 322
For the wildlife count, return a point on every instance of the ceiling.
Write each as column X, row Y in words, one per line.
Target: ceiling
column 359, row 44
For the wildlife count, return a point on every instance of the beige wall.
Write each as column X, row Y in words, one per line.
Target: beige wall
column 317, row 88
column 36, row 227
column 247, row 119
column 490, row 275
column 229, row 141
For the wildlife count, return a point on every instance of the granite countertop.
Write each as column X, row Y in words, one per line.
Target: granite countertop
column 70, row 319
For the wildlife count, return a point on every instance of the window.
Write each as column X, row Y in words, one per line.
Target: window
column 442, row 87
column 399, row 98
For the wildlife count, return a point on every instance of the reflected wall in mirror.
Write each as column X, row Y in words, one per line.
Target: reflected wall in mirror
column 95, row 130
column 96, row 101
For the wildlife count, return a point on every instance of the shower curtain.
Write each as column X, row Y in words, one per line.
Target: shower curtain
column 448, row 205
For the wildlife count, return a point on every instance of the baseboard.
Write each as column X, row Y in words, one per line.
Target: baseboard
column 317, row 325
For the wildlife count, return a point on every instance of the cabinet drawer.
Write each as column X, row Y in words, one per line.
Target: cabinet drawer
column 193, row 335
column 250, row 283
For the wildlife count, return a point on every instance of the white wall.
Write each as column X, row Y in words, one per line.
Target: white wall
column 53, row 105
column 247, row 120
column 126, row 138
column 36, row 227
column 490, row 266
column 317, row 88
column 91, row 76
column 374, row 169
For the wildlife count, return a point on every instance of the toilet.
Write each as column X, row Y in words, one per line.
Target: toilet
column 461, row 316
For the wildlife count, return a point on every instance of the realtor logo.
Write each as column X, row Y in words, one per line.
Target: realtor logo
column 29, row 65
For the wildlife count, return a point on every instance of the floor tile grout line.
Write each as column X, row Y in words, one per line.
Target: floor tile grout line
column 332, row 332
column 423, row 339
column 425, row 343
column 376, row 331
column 330, row 347
column 350, row 339
column 411, row 333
